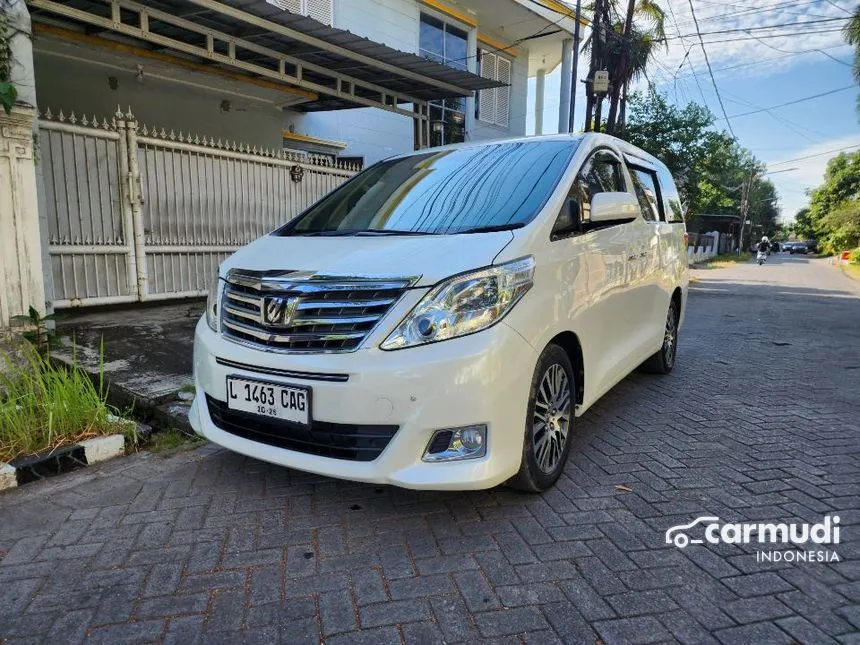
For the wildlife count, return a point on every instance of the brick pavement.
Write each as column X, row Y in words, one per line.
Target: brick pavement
column 758, row 422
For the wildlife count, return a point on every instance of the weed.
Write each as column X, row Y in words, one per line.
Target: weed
column 43, row 406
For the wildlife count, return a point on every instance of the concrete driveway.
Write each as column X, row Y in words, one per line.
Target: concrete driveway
column 758, row 422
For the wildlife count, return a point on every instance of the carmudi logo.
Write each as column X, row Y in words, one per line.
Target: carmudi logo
column 811, row 538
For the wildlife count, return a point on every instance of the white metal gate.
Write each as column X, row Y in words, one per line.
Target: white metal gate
column 138, row 213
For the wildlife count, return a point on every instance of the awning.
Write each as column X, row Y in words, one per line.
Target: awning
column 263, row 40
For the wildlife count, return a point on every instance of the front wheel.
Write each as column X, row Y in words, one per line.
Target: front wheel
column 549, row 421
column 663, row 360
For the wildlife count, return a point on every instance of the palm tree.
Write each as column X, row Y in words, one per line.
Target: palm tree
column 851, row 31
column 626, row 50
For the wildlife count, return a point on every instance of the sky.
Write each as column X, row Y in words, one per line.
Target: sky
column 751, row 74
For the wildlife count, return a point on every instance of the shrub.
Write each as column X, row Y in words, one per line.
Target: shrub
column 854, row 258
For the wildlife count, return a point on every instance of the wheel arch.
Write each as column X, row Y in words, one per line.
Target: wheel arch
column 678, row 300
column 569, row 342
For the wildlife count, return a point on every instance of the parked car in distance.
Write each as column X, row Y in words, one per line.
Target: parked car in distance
column 811, row 246
column 797, row 248
column 440, row 320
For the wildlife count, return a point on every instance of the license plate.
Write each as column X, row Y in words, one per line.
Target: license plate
column 269, row 399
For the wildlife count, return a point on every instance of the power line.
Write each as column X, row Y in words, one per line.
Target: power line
column 783, row 35
column 780, row 7
column 817, row 154
column 805, row 98
column 762, row 27
column 830, row 2
column 692, row 69
column 788, row 54
column 711, row 72
column 815, row 49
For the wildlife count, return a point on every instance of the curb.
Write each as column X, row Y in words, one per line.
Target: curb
column 161, row 413
column 64, row 459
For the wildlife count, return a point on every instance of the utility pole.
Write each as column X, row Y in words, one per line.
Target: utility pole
column 745, row 202
column 578, row 17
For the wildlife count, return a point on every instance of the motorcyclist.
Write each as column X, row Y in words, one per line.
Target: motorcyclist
column 764, row 245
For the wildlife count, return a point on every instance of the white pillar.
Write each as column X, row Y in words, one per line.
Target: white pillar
column 472, row 64
column 22, row 75
column 539, row 92
column 564, row 97
column 21, row 281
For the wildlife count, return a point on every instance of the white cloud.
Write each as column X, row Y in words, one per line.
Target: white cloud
column 806, row 173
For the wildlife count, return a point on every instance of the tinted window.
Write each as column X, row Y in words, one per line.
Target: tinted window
column 645, row 185
column 600, row 174
column 448, row 191
column 671, row 200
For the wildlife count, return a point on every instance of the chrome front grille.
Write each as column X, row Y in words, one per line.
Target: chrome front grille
column 305, row 315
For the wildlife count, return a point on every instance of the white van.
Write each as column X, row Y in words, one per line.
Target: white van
column 439, row 320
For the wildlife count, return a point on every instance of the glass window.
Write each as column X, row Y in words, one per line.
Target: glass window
column 671, row 201
column 645, row 185
column 443, row 192
column 446, row 44
column 600, row 174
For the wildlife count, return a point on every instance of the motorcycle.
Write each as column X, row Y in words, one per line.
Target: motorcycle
column 761, row 257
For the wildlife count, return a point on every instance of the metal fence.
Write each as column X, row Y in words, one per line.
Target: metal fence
column 140, row 213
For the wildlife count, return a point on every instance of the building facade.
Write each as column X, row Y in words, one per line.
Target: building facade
column 505, row 40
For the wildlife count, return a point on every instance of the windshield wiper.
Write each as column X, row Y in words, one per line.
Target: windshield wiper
column 494, row 228
column 391, row 231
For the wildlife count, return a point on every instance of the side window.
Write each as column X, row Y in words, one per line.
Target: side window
column 601, row 173
column 647, row 192
column 671, row 200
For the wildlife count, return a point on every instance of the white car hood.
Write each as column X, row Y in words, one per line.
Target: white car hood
column 428, row 257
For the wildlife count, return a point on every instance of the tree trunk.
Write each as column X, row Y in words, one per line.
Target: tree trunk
column 594, row 64
column 613, row 110
column 598, row 113
column 619, row 78
column 589, row 108
column 623, row 119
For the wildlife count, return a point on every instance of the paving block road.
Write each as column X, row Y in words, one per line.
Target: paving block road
column 759, row 422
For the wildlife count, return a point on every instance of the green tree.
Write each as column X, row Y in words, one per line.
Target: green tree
column 833, row 205
column 712, row 171
column 803, row 226
column 851, row 31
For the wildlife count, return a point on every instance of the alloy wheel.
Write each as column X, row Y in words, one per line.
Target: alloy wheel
column 670, row 339
column 551, row 420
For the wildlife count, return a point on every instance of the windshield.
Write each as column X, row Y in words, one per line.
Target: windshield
column 465, row 190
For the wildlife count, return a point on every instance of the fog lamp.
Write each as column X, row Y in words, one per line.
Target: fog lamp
column 452, row 444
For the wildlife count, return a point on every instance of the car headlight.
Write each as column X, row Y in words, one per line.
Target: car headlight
column 213, row 302
column 464, row 304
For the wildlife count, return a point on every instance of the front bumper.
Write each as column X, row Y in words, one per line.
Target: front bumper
column 482, row 378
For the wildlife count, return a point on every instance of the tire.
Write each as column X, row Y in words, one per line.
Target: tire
column 663, row 360
column 546, row 445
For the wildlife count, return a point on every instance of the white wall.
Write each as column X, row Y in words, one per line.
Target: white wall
column 371, row 133
column 518, row 105
column 67, row 84
column 376, row 134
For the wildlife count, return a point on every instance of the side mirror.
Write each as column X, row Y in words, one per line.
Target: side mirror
column 614, row 207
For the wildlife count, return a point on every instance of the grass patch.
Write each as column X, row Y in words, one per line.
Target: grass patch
column 723, row 260
column 852, row 270
column 43, row 406
column 188, row 388
column 172, row 441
